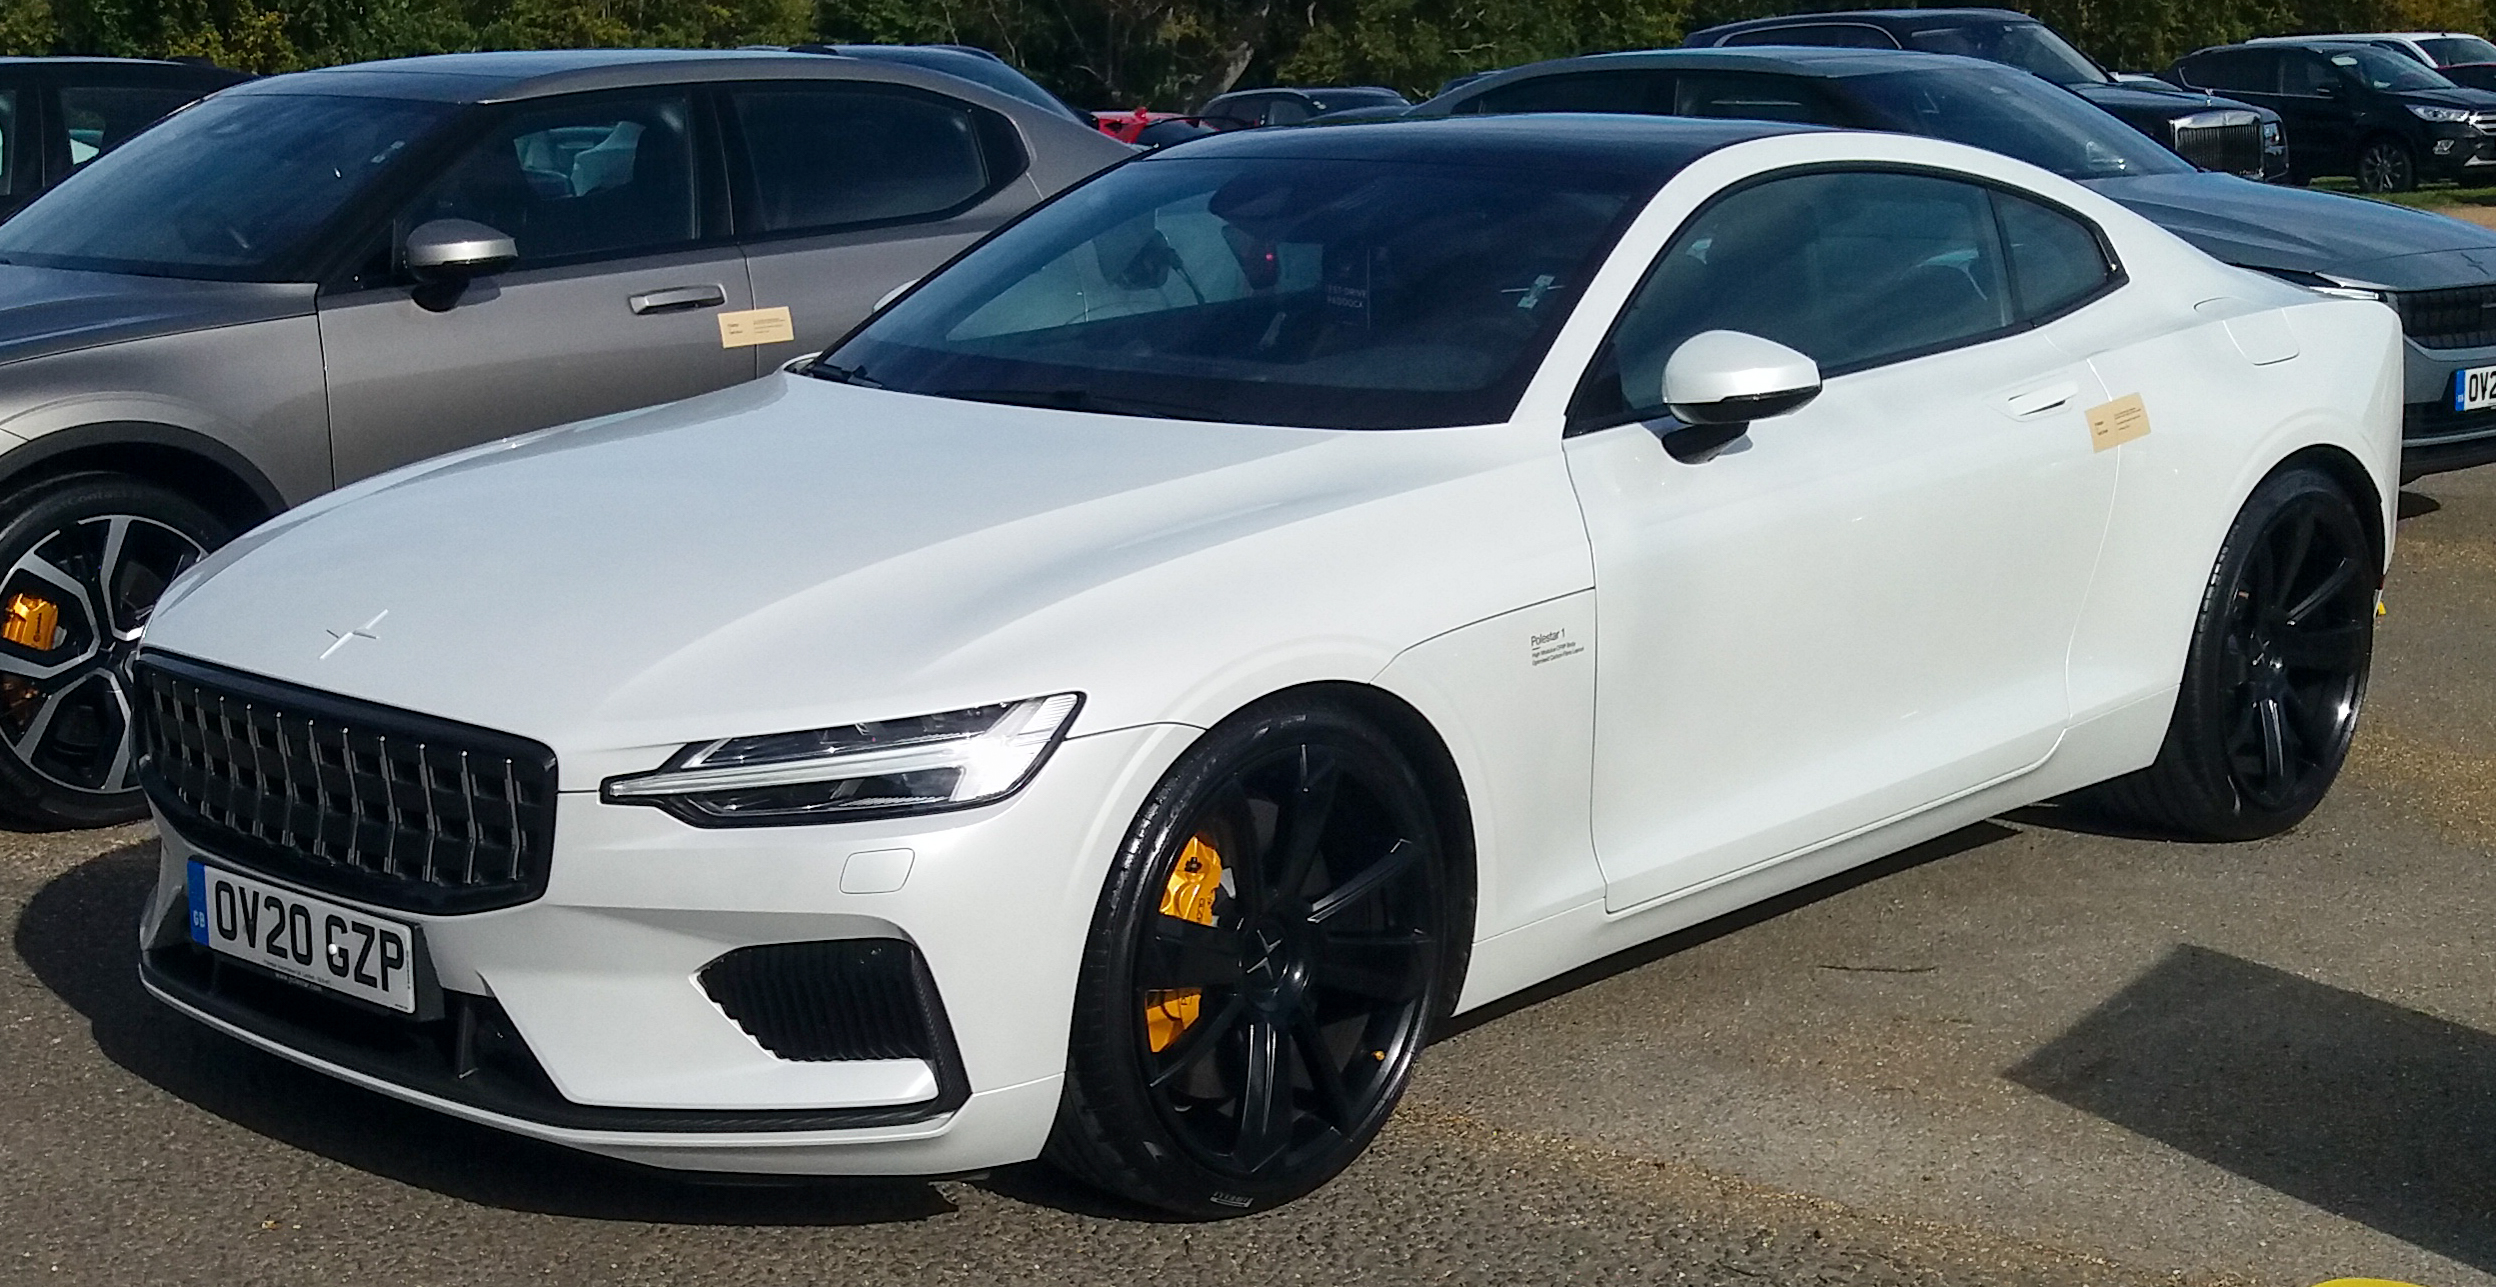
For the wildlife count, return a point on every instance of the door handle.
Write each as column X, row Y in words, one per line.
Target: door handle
column 677, row 299
column 2037, row 401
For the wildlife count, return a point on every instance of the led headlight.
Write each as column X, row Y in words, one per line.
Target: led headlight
column 2439, row 115
column 925, row 765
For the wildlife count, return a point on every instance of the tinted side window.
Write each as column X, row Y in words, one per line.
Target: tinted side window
column 1750, row 96
column 2243, row 70
column 1852, row 269
column 8, row 142
column 842, row 156
column 2055, row 259
column 100, row 117
column 1648, row 93
column 575, row 181
column 1287, row 111
column 2305, row 74
column 1843, row 35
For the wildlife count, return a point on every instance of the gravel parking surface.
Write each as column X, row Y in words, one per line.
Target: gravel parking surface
column 2023, row 1054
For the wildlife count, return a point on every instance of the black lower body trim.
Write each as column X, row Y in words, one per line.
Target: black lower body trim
column 474, row 1056
column 2436, row 439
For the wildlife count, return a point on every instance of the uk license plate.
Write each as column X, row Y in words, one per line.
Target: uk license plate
column 319, row 942
column 2474, row 388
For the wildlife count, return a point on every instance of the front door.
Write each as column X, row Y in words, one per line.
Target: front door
column 613, row 304
column 2318, row 107
column 1864, row 608
column 854, row 189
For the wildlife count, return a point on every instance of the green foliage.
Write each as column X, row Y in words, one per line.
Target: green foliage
column 1107, row 53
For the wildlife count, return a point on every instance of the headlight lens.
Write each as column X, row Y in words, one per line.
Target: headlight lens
column 953, row 760
column 2439, row 115
column 2271, row 137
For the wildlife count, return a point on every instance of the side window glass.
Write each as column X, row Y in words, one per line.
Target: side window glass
column 839, row 157
column 100, row 117
column 1852, row 269
column 2305, row 74
column 1284, row 111
column 2055, row 259
column 1622, row 91
column 8, row 139
column 609, row 176
column 1749, row 97
column 1842, row 35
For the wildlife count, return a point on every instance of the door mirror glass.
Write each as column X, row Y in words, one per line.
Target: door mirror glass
column 1727, row 377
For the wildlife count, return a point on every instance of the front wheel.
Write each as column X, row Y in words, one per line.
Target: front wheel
column 2385, row 165
column 87, row 555
column 2275, row 675
column 1268, row 954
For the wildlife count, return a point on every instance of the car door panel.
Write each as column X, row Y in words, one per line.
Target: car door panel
column 830, row 283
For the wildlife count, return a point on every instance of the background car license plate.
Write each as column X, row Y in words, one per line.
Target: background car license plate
column 2474, row 388
column 311, row 939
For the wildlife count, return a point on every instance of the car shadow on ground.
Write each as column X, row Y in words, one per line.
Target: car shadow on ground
column 2362, row 1108
column 75, row 935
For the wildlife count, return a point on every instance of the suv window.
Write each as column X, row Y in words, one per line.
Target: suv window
column 2056, row 260
column 2305, row 74
column 100, row 117
column 608, row 176
column 8, row 136
column 1750, row 96
column 1286, row 111
column 1638, row 92
column 2248, row 71
column 1852, row 268
column 842, row 156
column 1845, row 35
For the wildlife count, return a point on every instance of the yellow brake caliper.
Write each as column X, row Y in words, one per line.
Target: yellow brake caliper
column 31, row 622
column 1194, row 879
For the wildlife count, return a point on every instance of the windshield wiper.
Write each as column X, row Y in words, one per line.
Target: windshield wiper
column 837, row 374
column 1066, row 399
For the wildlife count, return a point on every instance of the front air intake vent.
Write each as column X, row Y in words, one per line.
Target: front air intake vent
column 866, row 998
column 369, row 802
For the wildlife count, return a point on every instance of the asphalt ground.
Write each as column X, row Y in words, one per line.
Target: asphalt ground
column 2023, row 1054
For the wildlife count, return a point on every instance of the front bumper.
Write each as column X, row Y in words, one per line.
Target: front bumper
column 580, row 1018
column 2434, row 437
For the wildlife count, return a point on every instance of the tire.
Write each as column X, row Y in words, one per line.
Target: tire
column 1240, row 1035
column 2275, row 675
column 2384, row 164
column 69, row 545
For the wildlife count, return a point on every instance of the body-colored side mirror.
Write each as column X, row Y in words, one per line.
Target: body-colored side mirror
column 444, row 255
column 1718, row 382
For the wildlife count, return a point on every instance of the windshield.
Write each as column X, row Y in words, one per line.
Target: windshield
column 2017, row 116
column 1337, row 100
column 229, row 190
column 2450, row 50
column 2383, row 69
column 1326, row 294
column 2029, row 46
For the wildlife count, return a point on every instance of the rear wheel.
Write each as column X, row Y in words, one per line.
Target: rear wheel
column 2276, row 673
column 2385, row 165
column 86, row 556
column 1267, row 957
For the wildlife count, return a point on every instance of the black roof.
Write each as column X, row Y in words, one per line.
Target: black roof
column 516, row 74
column 1654, row 147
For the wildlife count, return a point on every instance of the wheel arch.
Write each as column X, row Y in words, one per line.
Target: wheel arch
column 1451, row 805
column 2345, row 470
column 183, row 461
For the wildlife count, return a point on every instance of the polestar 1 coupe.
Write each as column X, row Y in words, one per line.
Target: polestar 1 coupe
column 1290, row 589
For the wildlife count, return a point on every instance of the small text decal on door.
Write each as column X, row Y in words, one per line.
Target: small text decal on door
column 756, row 326
column 2112, row 424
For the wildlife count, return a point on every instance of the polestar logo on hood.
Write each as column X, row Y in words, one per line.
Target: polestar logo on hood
column 341, row 638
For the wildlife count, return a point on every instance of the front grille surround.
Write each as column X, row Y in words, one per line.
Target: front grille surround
column 2457, row 317
column 369, row 802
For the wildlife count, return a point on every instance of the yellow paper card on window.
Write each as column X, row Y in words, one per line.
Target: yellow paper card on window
column 2112, row 424
column 756, row 326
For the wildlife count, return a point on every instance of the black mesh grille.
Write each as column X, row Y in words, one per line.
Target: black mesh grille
column 2463, row 317
column 865, row 998
column 373, row 803
column 2230, row 149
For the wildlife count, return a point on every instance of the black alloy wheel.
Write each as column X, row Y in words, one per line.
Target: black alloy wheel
column 2384, row 165
column 2276, row 673
column 86, row 555
column 1275, row 939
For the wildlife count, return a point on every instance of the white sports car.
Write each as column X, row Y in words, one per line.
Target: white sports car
column 1293, row 588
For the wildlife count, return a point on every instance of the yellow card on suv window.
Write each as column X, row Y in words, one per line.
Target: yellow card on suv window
column 2112, row 424
column 756, row 326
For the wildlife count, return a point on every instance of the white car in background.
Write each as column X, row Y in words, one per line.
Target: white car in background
column 1289, row 589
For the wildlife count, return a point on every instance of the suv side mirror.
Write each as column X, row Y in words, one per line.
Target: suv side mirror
column 444, row 255
column 1718, row 382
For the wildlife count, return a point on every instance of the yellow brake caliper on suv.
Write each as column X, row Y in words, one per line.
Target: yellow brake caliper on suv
column 1194, row 879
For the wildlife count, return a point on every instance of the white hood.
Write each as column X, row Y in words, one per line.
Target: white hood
column 792, row 553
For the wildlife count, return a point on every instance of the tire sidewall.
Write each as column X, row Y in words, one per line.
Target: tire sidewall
column 29, row 516
column 1104, row 1079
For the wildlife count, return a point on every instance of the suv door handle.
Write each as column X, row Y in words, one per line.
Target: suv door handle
column 676, row 299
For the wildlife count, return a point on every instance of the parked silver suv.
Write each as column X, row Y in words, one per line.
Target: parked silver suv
column 312, row 278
